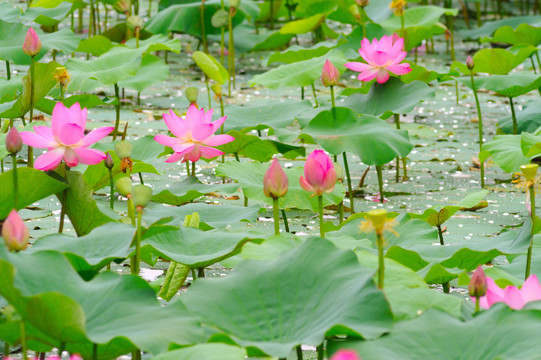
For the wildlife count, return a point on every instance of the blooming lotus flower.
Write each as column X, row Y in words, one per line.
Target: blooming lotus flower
column 319, row 172
column 514, row 297
column 275, row 181
column 15, row 232
column 32, row 43
column 382, row 56
column 66, row 139
column 330, row 76
column 345, row 354
column 194, row 135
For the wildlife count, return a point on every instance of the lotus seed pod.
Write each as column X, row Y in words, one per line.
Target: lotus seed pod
column 234, row 3
column 192, row 94
column 135, row 21
column 141, row 195
column 378, row 217
column 529, row 171
column 220, row 18
column 124, row 186
column 123, row 149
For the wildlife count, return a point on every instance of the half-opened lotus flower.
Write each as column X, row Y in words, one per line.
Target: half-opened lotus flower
column 194, row 135
column 66, row 139
column 382, row 57
column 514, row 297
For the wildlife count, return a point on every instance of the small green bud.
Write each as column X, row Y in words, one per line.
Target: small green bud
column 141, row 195
column 234, row 3
column 109, row 162
column 124, row 187
column 191, row 94
column 124, row 149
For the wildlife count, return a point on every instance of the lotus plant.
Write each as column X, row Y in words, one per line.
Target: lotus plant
column 14, row 144
column 345, row 354
column 478, row 286
column 514, row 297
column 15, row 232
column 194, row 136
column 470, row 64
column 31, row 47
column 320, row 177
column 382, row 57
column 330, row 76
column 530, row 183
column 275, row 185
column 141, row 197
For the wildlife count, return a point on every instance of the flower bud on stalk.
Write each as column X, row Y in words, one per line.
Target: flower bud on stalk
column 217, row 90
column 108, row 162
column 275, row 181
column 32, row 43
column 15, row 232
column 233, row 6
column 14, row 141
column 330, row 76
column 469, row 62
column 478, row 283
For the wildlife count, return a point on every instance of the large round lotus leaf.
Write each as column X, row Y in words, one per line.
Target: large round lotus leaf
column 211, row 351
column 312, row 291
column 506, row 85
column 119, row 313
column 370, row 138
column 528, row 120
column 499, row 333
column 490, row 27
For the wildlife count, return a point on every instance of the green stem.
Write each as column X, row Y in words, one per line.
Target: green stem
column 480, row 126
column 137, row 262
column 350, row 187
column 299, row 352
column 341, row 211
column 63, row 203
column 141, row 178
column 284, row 217
column 193, row 168
column 208, row 91
column 381, row 264
column 231, row 56
column 203, row 33
column 193, row 274
column 478, row 13
column 94, row 351
column 131, row 214
column 456, row 91
column 32, row 90
column 538, row 60
column 402, row 29
column 397, row 123
column 446, row 287
column 15, row 180
column 302, row 92
column 8, row 70
column 271, row 14
column 236, row 156
column 514, row 116
column 276, row 216
column 320, row 207
column 380, row 183
column 117, row 120
column 314, row 93
column 112, row 186
column 532, row 212
column 332, row 97
column 23, row 340
column 477, row 305
column 362, row 20
column 91, row 20
column 320, row 352
column 533, row 65
column 245, row 200
column 201, row 272
column 440, row 235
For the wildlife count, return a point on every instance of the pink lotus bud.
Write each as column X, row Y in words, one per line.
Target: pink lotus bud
column 345, row 354
column 109, row 162
column 15, row 232
column 275, row 182
column 395, row 38
column 32, row 43
column 469, row 62
column 14, row 141
column 319, row 172
column 362, row 3
column 330, row 76
column 478, row 283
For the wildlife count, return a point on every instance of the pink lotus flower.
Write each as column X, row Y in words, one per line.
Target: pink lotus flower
column 15, row 232
column 14, row 142
column 478, row 283
column 275, row 181
column 345, row 354
column 514, row 297
column 382, row 57
column 319, row 172
column 66, row 139
column 194, row 135
column 32, row 43
column 330, row 76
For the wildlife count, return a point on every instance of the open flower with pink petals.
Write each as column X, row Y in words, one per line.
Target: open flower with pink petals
column 320, row 176
column 382, row 57
column 514, row 297
column 66, row 139
column 194, row 135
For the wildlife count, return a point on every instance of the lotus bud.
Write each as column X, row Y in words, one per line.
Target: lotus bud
column 362, row 3
column 192, row 94
column 529, row 171
column 319, row 174
column 14, row 141
column 354, row 10
column 275, row 181
column 469, row 62
column 122, row 6
column 141, row 196
column 330, row 76
column 32, row 43
column 378, row 218
column 15, row 232
column 478, row 283
column 217, row 90
column 109, row 162
column 345, row 354
column 124, row 187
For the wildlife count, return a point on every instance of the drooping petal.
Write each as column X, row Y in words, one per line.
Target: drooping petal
column 183, row 148
column 513, row 298
column 70, row 134
column 305, row 185
column 89, row 156
column 166, row 140
column 368, row 75
column 35, row 140
column 96, row 135
column 218, row 140
column 174, row 124
column 209, row 153
column 357, row 66
column 400, row 69
column 70, row 157
column 531, row 289
column 382, row 76
column 174, row 158
column 202, row 131
column 50, row 159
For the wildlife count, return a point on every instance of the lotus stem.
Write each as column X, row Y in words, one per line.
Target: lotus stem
column 117, row 120
column 341, row 211
column 361, row 20
column 299, row 352
column 15, row 180
column 533, row 65
column 480, row 126
column 245, row 200
column 149, row 8
column 440, row 235
column 231, row 56
column 137, row 256
column 276, row 216
column 94, row 351
column 32, row 90
column 532, row 213
column 332, row 97
column 477, row 305
column 6, row 350
column 63, row 203
column 193, row 168
column 141, row 178
column 80, row 21
column 381, row 265
column 478, row 13
column 201, row 272
column 538, row 61
column 402, row 29
column 23, row 340
column 222, row 37
column 456, row 91
column 284, row 217
column 271, row 14
column 208, row 91
column 320, row 207
column 380, row 183
column 91, row 20
column 514, row 116
column 8, row 70
column 314, row 93
column 203, row 34
column 397, row 123
column 350, row 187
column 112, row 186
column 131, row 214
column 445, row 287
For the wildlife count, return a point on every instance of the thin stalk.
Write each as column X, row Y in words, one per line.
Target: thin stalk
column 15, row 180
column 94, row 351
column 245, row 200
column 276, row 211
column 193, row 274
column 533, row 65
column 23, row 340
column 332, row 97
column 8, row 70
column 478, row 13
column 299, row 352
column 350, row 187
column 203, row 33
column 380, row 183
column 532, row 213
column 480, row 125
column 208, row 91
column 341, row 211
column 403, row 29
column 302, row 92
column 477, row 305
column 193, row 168
column 320, row 207
column 440, row 235
column 117, row 120
column 456, row 91
column 141, row 178
column 231, row 56
column 320, row 352
column 32, row 90
column 149, row 7
column 452, row 30
column 80, row 21
column 222, row 37
column 362, row 19
column 284, row 217
column 271, row 14
column 62, row 92
column 397, row 123
column 112, row 186
column 137, row 256
column 538, row 61
column 91, row 20
column 201, row 272
column 131, row 211
column 514, row 116
column 381, row 264
column 314, row 93
column 6, row 350
column 63, row 203
column 187, row 168
column 107, row 16
column 446, row 287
